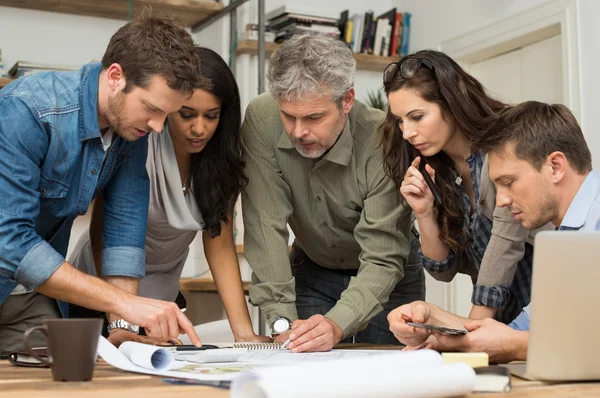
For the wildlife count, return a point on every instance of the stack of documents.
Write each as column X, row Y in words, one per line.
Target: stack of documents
column 281, row 373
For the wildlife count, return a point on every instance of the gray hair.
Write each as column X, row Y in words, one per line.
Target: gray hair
column 305, row 64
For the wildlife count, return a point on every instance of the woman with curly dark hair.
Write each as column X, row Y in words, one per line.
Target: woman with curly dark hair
column 436, row 113
column 196, row 174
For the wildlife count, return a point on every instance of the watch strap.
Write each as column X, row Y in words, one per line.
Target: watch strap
column 123, row 324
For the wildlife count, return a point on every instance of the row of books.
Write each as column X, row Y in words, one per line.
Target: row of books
column 387, row 34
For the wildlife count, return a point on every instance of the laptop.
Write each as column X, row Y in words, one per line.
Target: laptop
column 564, row 335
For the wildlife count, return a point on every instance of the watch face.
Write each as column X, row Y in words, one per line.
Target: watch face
column 281, row 325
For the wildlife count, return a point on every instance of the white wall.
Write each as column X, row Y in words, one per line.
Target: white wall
column 53, row 38
column 436, row 21
column 589, row 65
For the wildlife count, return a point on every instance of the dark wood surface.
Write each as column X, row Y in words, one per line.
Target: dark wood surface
column 187, row 12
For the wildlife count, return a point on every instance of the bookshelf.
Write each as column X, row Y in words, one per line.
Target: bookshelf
column 374, row 63
column 4, row 81
column 187, row 12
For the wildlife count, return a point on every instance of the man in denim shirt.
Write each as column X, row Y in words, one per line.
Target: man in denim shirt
column 65, row 137
column 542, row 168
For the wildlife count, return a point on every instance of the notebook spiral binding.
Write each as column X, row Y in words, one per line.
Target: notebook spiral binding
column 258, row 346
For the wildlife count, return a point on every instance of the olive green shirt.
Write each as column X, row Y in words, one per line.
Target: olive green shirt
column 344, row 211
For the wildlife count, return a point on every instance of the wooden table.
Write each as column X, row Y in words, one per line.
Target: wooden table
column 110, row 382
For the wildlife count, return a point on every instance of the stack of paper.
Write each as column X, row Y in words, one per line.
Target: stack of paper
column 416, row 374
column 280, row 373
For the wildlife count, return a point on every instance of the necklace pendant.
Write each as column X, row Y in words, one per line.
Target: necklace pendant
column 458, row 180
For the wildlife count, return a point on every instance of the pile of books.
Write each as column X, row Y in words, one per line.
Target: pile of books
column 251, row 33
column 286, row 21
column 24, row 68
column 387, row 34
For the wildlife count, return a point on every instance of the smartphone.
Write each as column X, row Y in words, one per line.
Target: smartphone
column 439, row 329
column 429, row 181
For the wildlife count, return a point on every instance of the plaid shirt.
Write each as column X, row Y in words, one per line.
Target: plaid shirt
column 510, row 300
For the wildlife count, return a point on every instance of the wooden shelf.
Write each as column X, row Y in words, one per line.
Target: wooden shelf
column 203, row 285
column 363, row 61
column 4, row 81
column 251, row 47
column 371, row 62
column 187, row 12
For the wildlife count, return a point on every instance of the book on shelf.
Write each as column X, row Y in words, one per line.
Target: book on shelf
column 405, row 47
column 284, row 19
column 253, row 36
column 299, row 10
column 287, row 21
column 387, row 34
column 24, row 68
column 383, row 35
column 254, row 26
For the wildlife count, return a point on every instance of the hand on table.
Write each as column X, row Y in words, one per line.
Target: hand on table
column 315, row 334
column 162, row 320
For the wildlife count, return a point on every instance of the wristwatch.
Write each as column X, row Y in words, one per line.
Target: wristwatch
column 281, row 325
column 123, row 324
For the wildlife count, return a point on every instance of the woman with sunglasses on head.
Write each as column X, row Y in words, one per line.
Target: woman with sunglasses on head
column 196, row 173
column 436, row 112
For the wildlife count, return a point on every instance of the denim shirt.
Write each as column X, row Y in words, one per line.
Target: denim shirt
column 583, row 214
column 52, row 165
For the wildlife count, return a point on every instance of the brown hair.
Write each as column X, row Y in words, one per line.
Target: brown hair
column 462, row 101
column 537, row 129
column 150, row 46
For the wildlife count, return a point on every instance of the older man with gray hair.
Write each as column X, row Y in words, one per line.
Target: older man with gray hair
column 312, row 159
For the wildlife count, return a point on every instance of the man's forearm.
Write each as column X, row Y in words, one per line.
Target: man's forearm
column 519, row 344
column 126, row 283
column 481, row 312
column 73, row 286
column 440, row 317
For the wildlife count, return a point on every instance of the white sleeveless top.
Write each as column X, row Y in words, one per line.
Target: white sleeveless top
column 173, row 221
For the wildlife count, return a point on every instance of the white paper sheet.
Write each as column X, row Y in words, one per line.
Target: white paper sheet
column 417, row 374
column 273, row 357
column 115, row 358
column 147, row 356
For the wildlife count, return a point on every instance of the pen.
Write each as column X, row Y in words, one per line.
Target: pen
column 212, row 383
column 429, row 181
column 191, row 347
column 284, row 345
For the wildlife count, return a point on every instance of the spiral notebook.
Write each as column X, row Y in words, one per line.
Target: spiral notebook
column 257, row 346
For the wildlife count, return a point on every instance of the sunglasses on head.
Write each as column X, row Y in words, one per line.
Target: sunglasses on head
column 407, row 68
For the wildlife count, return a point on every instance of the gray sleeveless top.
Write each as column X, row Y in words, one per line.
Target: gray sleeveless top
column 173, row 221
